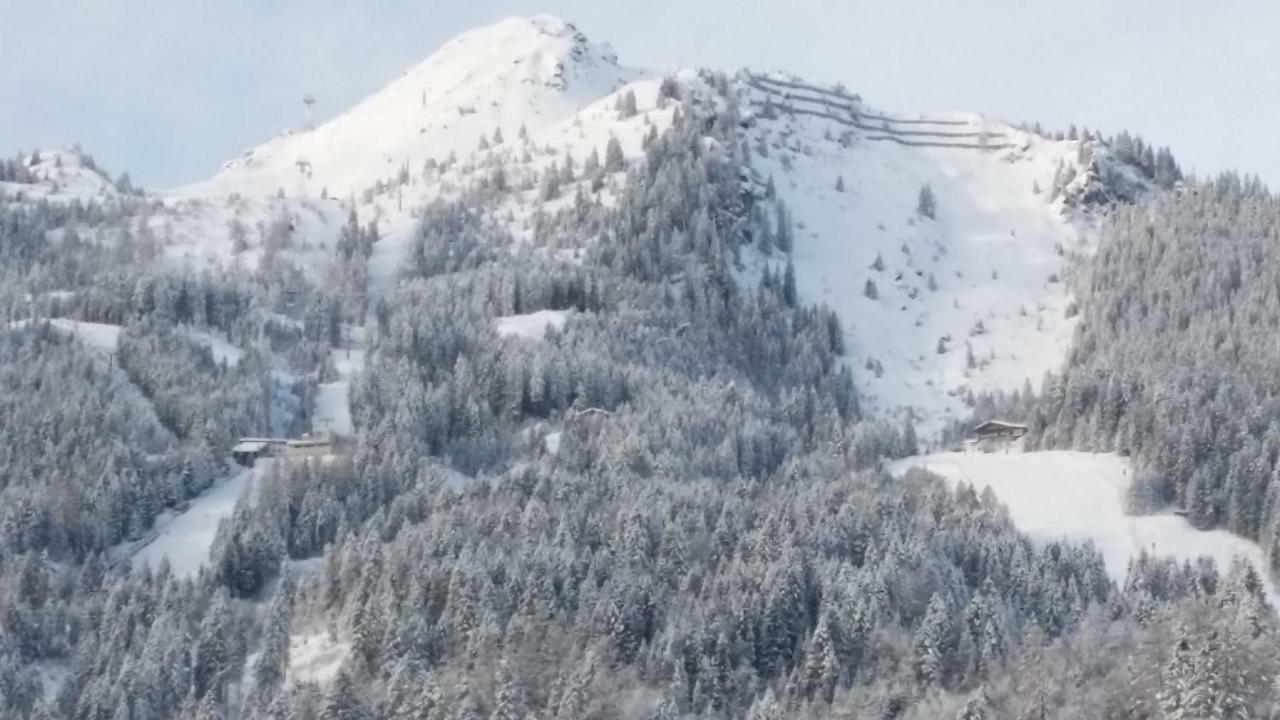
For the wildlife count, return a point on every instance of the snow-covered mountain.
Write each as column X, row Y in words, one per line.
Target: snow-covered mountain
column 967, row 300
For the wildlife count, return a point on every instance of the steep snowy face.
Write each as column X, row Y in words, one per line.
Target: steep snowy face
column 521, row 72
column 956, row 293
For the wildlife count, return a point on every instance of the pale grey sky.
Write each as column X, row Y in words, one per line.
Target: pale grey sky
column 169, row 89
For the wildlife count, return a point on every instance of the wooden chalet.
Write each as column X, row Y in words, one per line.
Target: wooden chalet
column 998, row 430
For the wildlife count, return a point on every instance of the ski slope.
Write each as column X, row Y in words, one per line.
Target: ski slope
column 1079, row 496
column 185, row 538
column 333, row 399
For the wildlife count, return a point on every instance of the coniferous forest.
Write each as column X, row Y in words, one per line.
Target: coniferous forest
column 672, row 506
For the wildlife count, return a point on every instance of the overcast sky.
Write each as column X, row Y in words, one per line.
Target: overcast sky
column 169, row 89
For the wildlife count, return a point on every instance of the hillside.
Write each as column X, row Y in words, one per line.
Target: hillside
column 631, row 373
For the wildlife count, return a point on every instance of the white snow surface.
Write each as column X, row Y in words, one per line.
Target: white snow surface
column 1079, row 496
column 532, row 326
column 186, row 538
column 333, row 399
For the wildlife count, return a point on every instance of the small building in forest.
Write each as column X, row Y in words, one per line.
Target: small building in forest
column 998, row 430
column 248, row 450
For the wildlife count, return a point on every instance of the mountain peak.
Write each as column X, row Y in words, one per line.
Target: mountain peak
column 521, row 71
column 520, row 26
column 543, row 49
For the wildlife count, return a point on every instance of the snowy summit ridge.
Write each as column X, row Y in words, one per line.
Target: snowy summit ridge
column 527, row 72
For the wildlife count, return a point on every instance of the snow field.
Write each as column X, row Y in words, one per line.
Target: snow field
column 1079, row 496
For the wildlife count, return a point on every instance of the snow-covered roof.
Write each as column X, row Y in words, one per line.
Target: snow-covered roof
column 250, row 446
column 999, row 424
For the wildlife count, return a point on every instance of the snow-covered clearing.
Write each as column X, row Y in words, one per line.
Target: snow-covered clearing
column 99, row 336
column 185, row 538
column 333, row 399
column 316, row 658
column 389, row 256
column 532, row 326
column 1080, row 496
column 333, row 407
column 52, row 674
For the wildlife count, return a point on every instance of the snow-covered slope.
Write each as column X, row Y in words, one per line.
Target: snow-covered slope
column 1080, row 496
column 185, row 538
column 531, row 72
column 970, row 299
